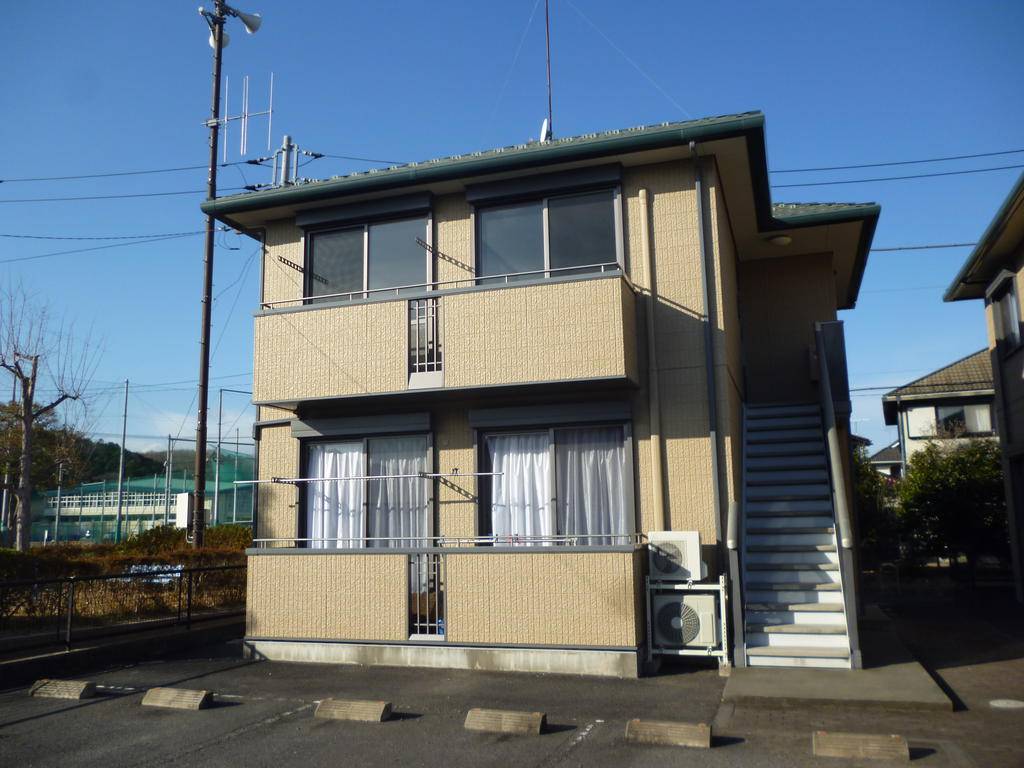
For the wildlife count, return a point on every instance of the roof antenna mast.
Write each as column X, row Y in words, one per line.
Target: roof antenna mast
column 547, row 132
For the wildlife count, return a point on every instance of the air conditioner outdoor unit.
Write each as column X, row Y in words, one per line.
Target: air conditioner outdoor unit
column 675, row 556
column 684, row 620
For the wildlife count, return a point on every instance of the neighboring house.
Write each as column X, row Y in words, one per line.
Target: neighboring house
column 483, row 380
column 951, row 403
column 888, row 461
column 994, row 272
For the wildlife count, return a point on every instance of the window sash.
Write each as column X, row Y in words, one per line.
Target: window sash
column 355, row 528
column 547, row 270
column 365, row 290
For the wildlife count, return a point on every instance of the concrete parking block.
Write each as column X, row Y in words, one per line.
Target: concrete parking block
column 863, row 746
column 177, row 698
column 354, row 709
column 63, row 689
column 506, row 721
column 670, row 734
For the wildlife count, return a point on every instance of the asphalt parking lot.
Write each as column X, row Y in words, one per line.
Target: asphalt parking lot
column 264, row 717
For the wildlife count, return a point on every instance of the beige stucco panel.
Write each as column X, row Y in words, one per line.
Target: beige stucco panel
column 278, row 457
column 457, row 496
column 331, row 352
column 549, row 332
column 561, row 598
column 453, row 228
column 328, row 597
column 281, row 282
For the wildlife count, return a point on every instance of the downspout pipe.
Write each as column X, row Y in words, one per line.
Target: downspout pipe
column 707, row 278
column 654, row 400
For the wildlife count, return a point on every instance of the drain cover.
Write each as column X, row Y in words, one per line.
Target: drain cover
column 1006, row 704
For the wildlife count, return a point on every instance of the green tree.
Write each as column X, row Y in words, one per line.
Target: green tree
column 877, row 521
column 952, row 501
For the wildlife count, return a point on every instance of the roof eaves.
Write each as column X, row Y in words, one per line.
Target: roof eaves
column 957, row 290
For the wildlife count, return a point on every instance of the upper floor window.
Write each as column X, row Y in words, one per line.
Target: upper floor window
column 973, row 419
column 356, row 261
column 567, row 234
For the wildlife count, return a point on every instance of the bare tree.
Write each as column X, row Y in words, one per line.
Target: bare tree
column 37, row 350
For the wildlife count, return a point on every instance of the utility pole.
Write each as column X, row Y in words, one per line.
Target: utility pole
column 234, row 486
column 120, row 466
column 215, row 19
column 216, row 465
column 168, row 469
column 56, row 521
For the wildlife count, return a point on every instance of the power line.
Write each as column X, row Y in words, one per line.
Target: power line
column 898, row 162
column 98, row 248
column 922, row 247
column 632, row 63
column 365, row 159
column 108, row 237
column 109, row 174
column 898, row 178
column 111, row 197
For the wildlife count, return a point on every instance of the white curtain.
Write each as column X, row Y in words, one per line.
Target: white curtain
column 521, row 494
column 590, row 467
column 398, row 507
column 334, row 509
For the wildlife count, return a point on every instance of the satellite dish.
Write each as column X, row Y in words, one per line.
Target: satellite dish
column 545, row 131
column 251, row 21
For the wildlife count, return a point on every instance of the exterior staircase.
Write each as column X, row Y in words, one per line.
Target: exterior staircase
column 794, row 610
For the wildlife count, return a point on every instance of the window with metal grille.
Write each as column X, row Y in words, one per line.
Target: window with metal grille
column 425, row 353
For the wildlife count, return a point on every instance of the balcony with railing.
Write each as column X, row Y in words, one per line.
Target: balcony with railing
column 554, row 325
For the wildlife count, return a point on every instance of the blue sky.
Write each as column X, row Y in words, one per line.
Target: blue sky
column 117, row 86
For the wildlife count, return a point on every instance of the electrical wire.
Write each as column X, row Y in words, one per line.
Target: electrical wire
column 107, row 237
column 898, row 162
column 898, row 178
column 98, row 248
column 515, row 59
column 922, row 247
column 110, row 174
column 113, row 197
column 632, row 63
column 365, row 159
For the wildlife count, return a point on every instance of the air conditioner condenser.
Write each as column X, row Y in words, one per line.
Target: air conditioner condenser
column 684, row 620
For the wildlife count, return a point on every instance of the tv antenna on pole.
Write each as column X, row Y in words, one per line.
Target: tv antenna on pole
column 547, row 127
column 244, row 115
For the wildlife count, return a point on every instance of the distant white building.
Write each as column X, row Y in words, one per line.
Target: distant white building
column 951, row 403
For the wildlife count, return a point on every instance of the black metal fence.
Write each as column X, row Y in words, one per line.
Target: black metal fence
column 78, row 608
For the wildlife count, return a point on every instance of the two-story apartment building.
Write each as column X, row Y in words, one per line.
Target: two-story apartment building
column 483, row 380
column 994, row 272
column 948, row 404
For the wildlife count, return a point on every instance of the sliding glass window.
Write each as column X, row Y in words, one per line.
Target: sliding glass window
column 371, row 495
column 563, row 235
column 559, row 485
column 365, row 260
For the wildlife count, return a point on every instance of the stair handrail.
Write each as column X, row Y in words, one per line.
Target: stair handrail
column 828, row 413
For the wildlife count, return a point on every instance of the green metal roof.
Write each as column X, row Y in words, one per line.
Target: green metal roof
column 966, row 285
column 797, row 212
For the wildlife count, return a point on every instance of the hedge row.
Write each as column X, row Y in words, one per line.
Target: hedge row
column 164, row 545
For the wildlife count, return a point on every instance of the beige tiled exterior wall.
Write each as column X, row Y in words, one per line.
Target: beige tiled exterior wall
column 782, row 299
column 584, row 598
column 331, row 352
column 551, row 332
column 453, row 237
column 456, row 497
column 328, row 597
column 277, row 514
column 577, row 599
column 280, row 282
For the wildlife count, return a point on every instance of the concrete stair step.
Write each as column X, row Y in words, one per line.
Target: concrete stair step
column 797, row 629
column 791, row 548
column 789, row 507
column 793, row 586
column 776, row 436
column 796, row 607
column 792, row 566
column 786, row 476
column 796, row 530
column 782, row 409
column 798, row 448
column 797, row 651
column 811, row 491
column 796, row 421
column 800, row 461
